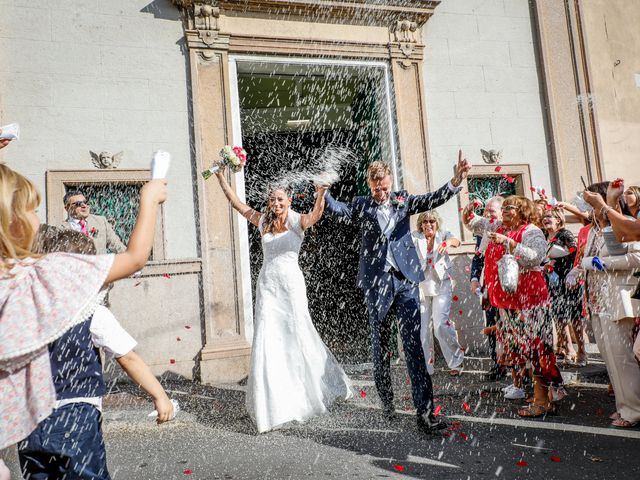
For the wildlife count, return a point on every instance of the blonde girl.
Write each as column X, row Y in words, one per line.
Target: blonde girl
column 43, row 296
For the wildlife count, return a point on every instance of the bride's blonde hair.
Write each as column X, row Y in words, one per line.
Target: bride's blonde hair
column 18, row 197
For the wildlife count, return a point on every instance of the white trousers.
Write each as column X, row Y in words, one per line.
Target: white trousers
column 615, row 345
column 434, row 313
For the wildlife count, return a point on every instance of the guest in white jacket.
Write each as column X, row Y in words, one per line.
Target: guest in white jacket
column 436, row 291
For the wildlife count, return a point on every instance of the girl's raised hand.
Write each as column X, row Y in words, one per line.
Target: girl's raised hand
column 154, row 191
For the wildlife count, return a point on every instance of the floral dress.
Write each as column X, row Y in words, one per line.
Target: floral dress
column 524, row 330
column 40, row 299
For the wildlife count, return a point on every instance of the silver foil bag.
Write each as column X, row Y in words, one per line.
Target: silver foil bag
column 508, row 272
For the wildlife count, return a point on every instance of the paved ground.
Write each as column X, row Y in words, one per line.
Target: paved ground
column 214, row 439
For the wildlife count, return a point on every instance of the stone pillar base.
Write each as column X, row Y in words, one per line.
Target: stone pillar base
column 224, row 363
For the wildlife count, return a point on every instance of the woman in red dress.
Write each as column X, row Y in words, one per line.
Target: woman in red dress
column 525, row 331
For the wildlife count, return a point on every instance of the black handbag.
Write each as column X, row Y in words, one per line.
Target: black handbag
column 636, row 293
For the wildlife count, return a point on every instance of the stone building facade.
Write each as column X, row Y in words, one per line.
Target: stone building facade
column 553, row 84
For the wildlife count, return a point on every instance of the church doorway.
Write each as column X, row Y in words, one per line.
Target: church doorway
column 287, row 112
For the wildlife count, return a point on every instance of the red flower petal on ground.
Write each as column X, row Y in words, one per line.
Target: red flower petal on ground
column 363, row 394
column 498, row 168
column 172, row 361
column 554, row 458
column 166, row 275
column 456, row 424
column 446, row 434
column 456, row 298
column 437, row 410
column 463, row 435
column 188, row 472
column 459, row 312
column 466, row 407
column 398, row 467
column 522, row 463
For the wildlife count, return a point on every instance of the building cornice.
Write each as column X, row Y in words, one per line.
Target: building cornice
column 355, row 12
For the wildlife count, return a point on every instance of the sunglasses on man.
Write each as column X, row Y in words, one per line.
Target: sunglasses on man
column 80, row 203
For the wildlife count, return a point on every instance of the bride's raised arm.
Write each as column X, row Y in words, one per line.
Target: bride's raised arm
column 311, row 218
column 245, row 210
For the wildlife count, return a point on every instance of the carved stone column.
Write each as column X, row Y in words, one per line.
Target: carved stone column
column 406, row 53
column 225, row 355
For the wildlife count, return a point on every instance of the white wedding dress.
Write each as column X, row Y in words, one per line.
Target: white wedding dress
column 293, row 375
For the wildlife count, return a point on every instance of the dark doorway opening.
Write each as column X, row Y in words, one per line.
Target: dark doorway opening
column 289, row 115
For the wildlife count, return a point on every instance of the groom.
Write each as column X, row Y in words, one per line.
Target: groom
column 389, row 275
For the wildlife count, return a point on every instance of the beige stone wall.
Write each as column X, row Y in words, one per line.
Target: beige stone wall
column 81, row 75
column 482, row 88
column 612, row 42
column 111, row 75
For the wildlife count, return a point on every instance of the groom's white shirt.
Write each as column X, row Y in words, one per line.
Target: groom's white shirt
column 387, row 218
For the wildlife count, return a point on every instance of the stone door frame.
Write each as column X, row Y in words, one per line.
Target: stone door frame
column 215, row 30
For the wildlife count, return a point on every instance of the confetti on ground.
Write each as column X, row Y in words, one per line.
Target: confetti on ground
column 463, row 435
column 498, row 168
column 554, row 458
column 522, row 463
column 466, row 407
column 398, row 467
column 456, row 298
column 363, row 394
column 437, row 410
column 166, row 275
column 188, row 472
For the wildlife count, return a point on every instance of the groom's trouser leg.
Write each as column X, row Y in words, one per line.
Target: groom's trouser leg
column 379, row 301
column 407, row 308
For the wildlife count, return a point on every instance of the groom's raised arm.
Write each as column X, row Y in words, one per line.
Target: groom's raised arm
column 431, row 200
column 336, row 208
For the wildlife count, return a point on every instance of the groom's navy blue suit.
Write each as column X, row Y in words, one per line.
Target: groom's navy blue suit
column 395, row 290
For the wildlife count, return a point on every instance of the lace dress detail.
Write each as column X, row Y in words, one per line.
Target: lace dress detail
column 293, row 375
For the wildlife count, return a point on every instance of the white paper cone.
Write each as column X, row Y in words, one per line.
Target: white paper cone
column 160, row 164
column 10, row 132
column 555, row 251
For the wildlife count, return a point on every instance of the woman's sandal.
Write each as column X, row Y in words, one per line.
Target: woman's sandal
column 535, row 411
column 614, row 416
column 622, row 423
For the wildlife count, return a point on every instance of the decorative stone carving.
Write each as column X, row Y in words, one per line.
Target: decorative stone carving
column 491, row 156
column 105, row 160
column 201, row 17
column 404, row 31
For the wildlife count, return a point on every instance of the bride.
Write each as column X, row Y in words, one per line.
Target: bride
column 293, row 375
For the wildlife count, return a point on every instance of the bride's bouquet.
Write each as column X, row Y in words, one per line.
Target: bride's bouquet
column 233, row 158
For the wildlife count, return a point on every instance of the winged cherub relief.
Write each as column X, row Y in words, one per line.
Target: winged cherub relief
column 106, row 159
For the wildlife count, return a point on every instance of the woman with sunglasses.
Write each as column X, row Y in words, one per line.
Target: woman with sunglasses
column 436, row 291
column 524, row 329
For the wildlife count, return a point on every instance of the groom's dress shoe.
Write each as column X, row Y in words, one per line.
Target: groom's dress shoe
column 389, row 412
column 429, row 423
